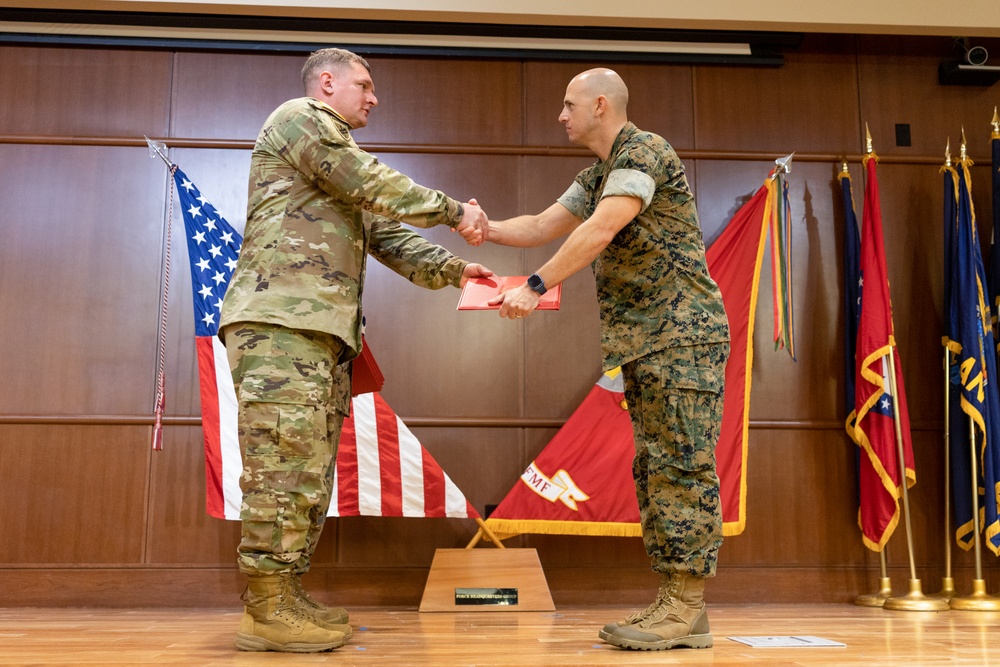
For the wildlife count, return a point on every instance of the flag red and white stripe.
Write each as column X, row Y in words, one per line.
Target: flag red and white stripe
column 382, row 469
column 223, row 462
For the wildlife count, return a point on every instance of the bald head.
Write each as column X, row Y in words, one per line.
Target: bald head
column 603, row 81
column 594, row 109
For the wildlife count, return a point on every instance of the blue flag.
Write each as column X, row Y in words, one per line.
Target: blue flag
column 994, row 276
column 975, row 362
column 852, row 294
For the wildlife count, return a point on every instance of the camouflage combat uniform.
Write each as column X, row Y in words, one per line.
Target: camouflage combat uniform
column 292, row 316
column 663, row 322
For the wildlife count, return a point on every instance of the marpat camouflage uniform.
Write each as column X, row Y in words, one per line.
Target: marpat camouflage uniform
column 663, row 322
column 291, row 319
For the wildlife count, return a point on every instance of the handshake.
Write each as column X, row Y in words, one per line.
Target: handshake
column 474, row 225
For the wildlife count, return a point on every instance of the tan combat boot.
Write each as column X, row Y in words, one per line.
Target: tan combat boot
column 327, row 616
column 274, row 620
column 679, row 619
column 639, row 615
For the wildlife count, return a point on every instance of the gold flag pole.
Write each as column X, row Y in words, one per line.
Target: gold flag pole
column 884, row 592
column 979, row 599
column 915, row 600
column 947, row 581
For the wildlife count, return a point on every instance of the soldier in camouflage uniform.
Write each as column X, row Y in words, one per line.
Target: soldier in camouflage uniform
column 291, row 321
column 633, row 216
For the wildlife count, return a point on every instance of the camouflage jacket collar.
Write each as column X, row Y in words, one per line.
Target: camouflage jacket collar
column 323, row 106
column 623, row 135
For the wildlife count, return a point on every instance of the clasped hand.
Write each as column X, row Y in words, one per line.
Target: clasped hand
column 474, row 225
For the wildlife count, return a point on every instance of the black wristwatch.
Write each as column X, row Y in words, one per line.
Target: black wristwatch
column 536, row 283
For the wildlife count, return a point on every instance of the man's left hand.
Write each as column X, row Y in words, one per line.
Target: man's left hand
column 517, row 302
column 474, row 271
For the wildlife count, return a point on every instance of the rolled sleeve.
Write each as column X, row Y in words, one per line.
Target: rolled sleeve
column 574, row 199
column 630, row 183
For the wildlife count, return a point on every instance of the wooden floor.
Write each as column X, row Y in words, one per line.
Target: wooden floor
column 395, row 638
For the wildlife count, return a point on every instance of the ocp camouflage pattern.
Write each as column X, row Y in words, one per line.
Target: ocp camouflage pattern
column 652, row 279
column 292, row 400
column 316, row 203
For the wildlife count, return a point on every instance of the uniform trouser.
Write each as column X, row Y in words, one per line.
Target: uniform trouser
column 292, row 397
column 675, row 402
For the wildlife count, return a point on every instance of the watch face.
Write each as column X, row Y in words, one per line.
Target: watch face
column 535, row 283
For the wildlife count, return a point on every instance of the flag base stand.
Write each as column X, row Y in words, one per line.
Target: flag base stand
column 878, row 598
column 915, row 600
column 473, row 580
column 978, row 600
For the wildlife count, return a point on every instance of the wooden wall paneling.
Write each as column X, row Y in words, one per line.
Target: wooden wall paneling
column 811, row 387
column 83, row 91
column 81, row 263
column 179, row 530
column 562, row 349
column 429, row 352
column 221, row 177
column 913, row 236
column 445, row 101
column 801, row 502
column 230, row 95
column 809, row 104
column 898, row 84
column 660, row 100
column 73, row 495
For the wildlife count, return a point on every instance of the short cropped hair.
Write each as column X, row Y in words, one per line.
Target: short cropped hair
column 326, row 59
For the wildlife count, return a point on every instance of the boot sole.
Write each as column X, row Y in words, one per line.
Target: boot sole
column 254, row 643
column 690, row 641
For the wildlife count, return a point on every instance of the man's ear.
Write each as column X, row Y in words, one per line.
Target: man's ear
column 600, row 105
column 326, row 82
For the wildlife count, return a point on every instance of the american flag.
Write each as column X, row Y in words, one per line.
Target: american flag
column 382, row 469
column 213, row 247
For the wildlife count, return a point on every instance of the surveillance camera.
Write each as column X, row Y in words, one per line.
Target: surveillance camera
column 976, row 55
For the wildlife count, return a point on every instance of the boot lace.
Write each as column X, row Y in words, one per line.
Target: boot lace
column 663, row 596
column 286, row 609
column 666, row 604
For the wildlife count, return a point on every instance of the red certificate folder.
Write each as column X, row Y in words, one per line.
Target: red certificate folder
column 366, row 376
column 478, row 291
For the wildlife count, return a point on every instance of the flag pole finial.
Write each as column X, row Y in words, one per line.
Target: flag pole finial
column 996, row 124
column 843, row 165
column 962, row 154
column 947, row 153
column 158, row 149
column 785, row 163
column 870, row 153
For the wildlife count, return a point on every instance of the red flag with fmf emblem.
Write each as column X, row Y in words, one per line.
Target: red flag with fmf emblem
column 581, row 483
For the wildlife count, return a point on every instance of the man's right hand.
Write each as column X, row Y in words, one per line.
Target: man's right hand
column 474, row 226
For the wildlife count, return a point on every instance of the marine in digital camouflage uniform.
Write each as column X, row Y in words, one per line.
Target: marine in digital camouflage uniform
column 632, row 215
column 291, row 321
